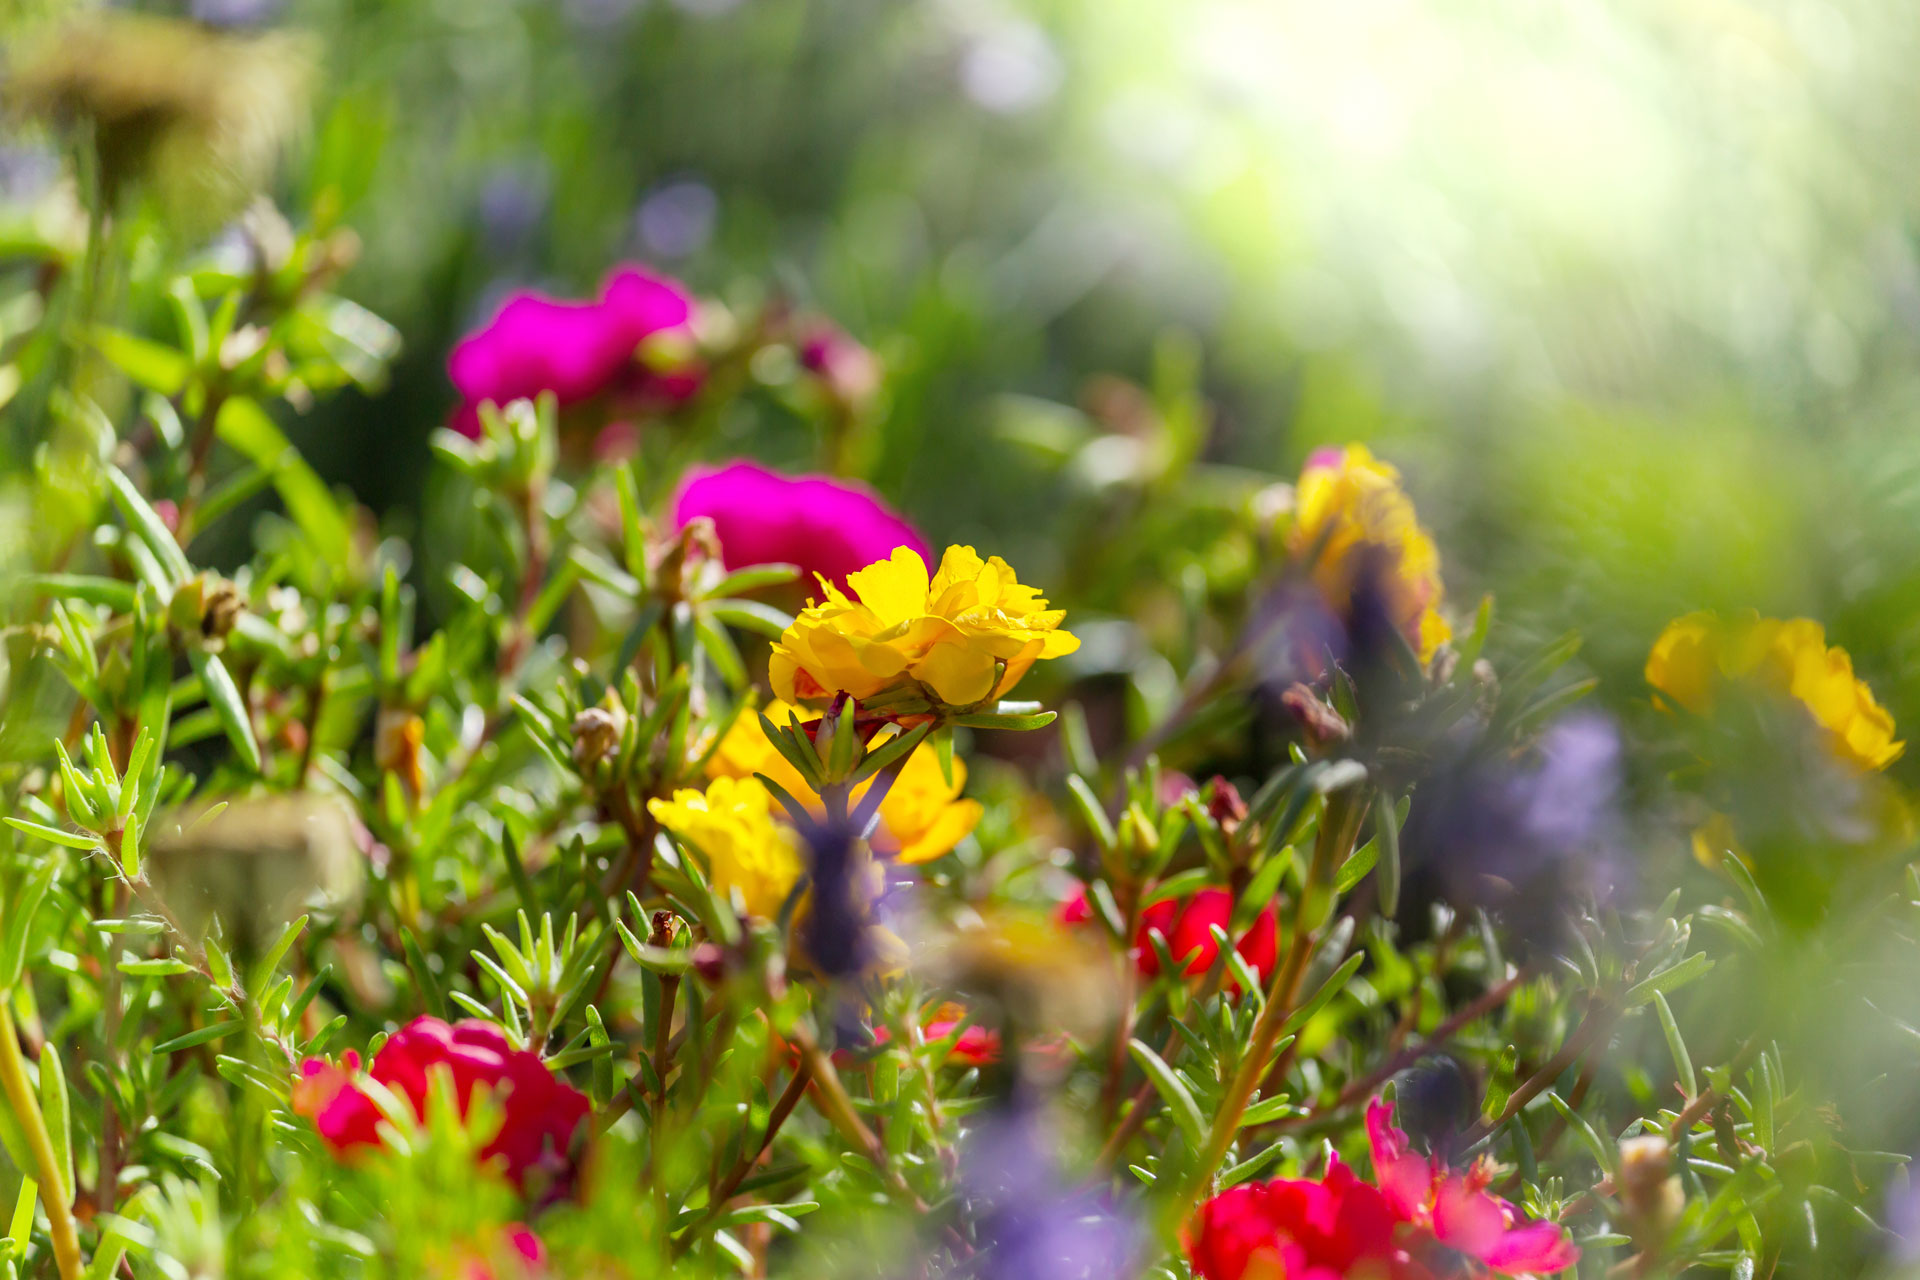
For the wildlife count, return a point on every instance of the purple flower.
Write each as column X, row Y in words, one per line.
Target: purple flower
column 827, row 527
column 577, row 350
column 1028, row 1224
column 1529, row 838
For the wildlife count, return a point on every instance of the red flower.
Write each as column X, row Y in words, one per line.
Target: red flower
column 977, row 1046
column 1187, row 925
column 541, row 1112
column 1421, row 1222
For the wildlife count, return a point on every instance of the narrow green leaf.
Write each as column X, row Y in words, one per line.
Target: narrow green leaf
column 1092, row 812
column 59, row 1119
column 146, row 522
column 1179, row 1099
column 223, row 695
column 1386, row 820
column 1682, row 1060
column 54, row 835
column 205, row 1035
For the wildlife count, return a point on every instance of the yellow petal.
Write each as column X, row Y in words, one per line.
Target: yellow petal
column 954, row 823
column 895, row 589
column 961, row 674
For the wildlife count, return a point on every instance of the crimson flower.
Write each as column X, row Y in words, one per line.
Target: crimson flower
column 1187, row 925
column 1422, row 1221
column 541, row 1112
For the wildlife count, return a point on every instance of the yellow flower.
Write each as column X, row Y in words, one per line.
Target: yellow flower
column 949, row 634
column 1697, row 653
column 1347, row 505
column 921, row 818
column 732, row 824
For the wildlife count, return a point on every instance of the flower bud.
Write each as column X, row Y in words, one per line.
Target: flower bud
column 1324, row 725
column 1648, row 1186
column 1224, row 804
column 397, row 736
column 597, row 732
column 666, row 927
column 710, row 962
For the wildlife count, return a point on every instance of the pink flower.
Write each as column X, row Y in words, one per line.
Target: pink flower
column 1457, row 1208
column 828, row 527
column 847, row 370
column 1421, row 1222
column 577, row 350
column 525, row 1248
column 541, row 1112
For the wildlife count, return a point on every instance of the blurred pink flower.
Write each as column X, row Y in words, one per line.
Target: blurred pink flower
column 828, row 527
column 577, row 350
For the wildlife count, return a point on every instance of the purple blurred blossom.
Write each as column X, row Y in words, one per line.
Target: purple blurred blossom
column 1029, row 1223
column 1531, row 838
column 676, row 220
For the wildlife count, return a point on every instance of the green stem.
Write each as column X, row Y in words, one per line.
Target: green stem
column 1339, row 823
column 54, row 1194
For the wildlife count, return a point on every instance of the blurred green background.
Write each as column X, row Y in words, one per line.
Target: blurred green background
column 1628, row 288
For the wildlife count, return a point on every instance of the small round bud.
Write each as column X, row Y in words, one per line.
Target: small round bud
column 1647, row 1185
column 1436, row 1101
column 597, row 732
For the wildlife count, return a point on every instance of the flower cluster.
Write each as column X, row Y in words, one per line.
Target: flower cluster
column 963, row 636
column 748, row 850
column 1415, row 1221
column 921, row 816
column 1354, row 527
column 1699, row 656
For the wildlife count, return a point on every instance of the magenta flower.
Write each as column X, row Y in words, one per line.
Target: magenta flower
column 827, row 527
column 577, row 350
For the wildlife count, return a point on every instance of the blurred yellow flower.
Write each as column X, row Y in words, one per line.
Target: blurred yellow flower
column 946, row 635
column 1699, row 652
column 1347, row 504
column 921, row 818
column 732, row 824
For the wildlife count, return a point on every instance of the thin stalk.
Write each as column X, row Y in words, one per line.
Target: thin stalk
column 1339, row 824
column 54, row 1193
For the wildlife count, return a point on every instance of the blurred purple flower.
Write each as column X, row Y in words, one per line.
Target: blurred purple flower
column 676, row 220
column 236, row 13
column 1028, row 1222
column 826, row 526
column 511, row 202
column 1531, row 839
column 839, row 918
column 577, row 350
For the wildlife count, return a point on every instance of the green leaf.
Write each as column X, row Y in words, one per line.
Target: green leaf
column 750, row 615
column 59, row 1120
column 146, row 522
column 1332, row 987
column 111, row 592
column 247, row 428
column 1682, row 1060
column 1004, row 720
column 1180, row 1104
column 224, row 697
column 153, row 366
column 753, row 577
column 1671, row 978
column 1091, row 811
column 54, row 835
column 1602, row 1150
column 1386, row 820
column 268, row 963
column 205, row 1035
